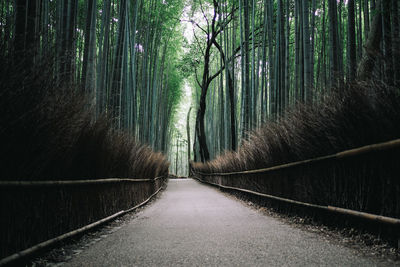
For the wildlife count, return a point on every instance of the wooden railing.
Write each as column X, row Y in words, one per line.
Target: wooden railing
column 363, row 183
column 36, row 214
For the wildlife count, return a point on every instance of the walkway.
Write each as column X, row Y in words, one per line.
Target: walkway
column 192, row 224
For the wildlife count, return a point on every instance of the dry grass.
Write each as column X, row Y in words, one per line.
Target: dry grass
column 50, row 132
column 354, row 116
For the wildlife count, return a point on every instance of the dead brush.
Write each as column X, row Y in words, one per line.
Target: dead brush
column 48, row 131
column 353, row 116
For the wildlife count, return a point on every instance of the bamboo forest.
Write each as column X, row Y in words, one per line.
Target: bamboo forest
column 103, row 102
column 233, row 65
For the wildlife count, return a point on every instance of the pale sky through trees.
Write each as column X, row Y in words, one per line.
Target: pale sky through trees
column 186, row 99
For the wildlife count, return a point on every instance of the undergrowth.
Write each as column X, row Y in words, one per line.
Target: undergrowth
column 50, row 132
column 352, row 116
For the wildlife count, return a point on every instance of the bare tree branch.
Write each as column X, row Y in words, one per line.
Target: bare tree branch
column 198, row 43
column 197, row 25
column 196, row 76
column 204, row 15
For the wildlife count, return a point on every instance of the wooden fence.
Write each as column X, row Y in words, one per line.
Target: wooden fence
column 33, row 214
column 361, row 183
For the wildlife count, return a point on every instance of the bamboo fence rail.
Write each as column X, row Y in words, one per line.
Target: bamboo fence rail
column 216, row 179
column 341, row 155
column 51, row 242
column 81, row 191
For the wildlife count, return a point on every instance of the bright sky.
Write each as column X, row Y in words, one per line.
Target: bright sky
column 186, row 25
column 186, row 101
column 184, row 105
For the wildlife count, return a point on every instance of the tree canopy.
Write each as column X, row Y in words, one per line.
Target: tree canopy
column 246, row 61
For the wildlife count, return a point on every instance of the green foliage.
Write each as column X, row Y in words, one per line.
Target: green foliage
column 127, row 63
column 175, row 84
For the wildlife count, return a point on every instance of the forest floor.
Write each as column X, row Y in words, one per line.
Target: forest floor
column 194, row 224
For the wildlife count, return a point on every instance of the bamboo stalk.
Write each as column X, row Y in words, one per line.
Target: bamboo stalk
column 340, row 155
column 29, row 251
column 75, row 182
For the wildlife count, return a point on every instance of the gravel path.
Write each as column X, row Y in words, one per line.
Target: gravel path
column 192, row 224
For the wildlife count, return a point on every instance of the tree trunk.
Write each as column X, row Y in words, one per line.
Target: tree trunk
column 351, row 41
column 188, row 138
column 334, row 42
column 307, row 56
column 263, row 66
column 371, row 48
column 246, row 89
column 387, row 38
column 366, row 18
column 116, row 85
column 177, row 156
column 19, row 32
column 297, row 50
column 396, row 42
column 231, row 90
column 359, row 32
column 314, row 7
column 271, row 100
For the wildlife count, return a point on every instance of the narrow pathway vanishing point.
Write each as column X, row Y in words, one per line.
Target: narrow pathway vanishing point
column 192, row 224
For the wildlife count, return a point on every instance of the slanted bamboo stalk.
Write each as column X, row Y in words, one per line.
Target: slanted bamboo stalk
column 74, row 182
